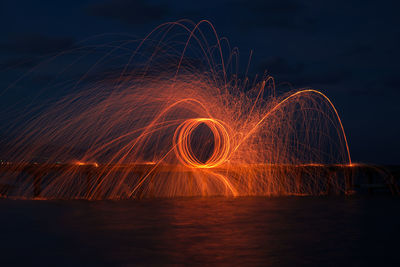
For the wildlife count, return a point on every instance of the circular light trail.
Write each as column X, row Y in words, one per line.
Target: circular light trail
column 183, row 149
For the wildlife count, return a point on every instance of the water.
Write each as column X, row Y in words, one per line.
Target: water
column 292, row 231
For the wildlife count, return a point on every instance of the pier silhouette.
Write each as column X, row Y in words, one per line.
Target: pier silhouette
column 358, row 178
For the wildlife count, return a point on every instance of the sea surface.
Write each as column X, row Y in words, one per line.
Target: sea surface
column 251, row 231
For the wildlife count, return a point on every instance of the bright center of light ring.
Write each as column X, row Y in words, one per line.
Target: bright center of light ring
column 183, row 149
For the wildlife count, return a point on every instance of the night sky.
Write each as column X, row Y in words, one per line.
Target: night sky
column 346, row 49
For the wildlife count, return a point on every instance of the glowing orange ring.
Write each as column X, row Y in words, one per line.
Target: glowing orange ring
column 183, row 149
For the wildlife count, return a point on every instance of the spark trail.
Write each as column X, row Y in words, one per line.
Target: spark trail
column 174, row 119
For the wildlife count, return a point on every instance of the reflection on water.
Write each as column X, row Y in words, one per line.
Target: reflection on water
column 233, row 231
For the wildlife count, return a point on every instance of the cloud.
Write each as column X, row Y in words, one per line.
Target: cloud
column 301, row 75
column 358, row 50
column 19, row 63
column 35, row 43
column 332, row 77
column 272, row 7
column 388, row 87
column 393, row 83
column 133, row 12
column 286, row 14
column 280, row 66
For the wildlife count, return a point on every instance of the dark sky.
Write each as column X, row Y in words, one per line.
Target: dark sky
column 347, row 49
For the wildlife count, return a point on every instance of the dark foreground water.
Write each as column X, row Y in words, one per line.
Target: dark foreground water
column 292, row 231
